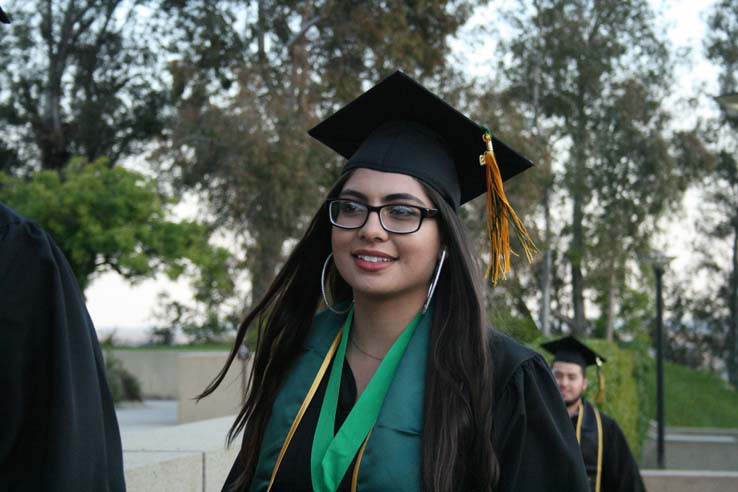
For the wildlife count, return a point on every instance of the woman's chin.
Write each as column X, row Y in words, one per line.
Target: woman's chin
column 377, row 293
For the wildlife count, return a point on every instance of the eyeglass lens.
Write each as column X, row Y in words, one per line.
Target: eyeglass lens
column 393, row 218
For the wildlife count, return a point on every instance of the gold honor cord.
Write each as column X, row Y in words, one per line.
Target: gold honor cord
column 303, row 408
column 599, row 440
column 579, row 422
column 355, row 477
column 599, row 449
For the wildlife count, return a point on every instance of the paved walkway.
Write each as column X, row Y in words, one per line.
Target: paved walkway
column 148, row 414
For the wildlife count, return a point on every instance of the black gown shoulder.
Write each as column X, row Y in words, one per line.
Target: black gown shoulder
column 620, row 471
column 59, row 431
column 532, row 436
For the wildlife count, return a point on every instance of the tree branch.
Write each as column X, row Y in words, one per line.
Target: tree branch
column 303, row 30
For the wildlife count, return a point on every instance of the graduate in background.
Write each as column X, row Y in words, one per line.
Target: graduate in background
column 58, row 430
column 607, row 457
column 399, row 385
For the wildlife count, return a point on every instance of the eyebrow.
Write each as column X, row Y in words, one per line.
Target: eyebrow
column 386, row 198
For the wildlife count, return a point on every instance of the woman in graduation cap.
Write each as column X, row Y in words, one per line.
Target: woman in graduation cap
column 398, row 385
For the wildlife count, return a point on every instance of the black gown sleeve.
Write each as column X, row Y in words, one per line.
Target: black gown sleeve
column 59, row 431
column 619, row 469
column 532, row 435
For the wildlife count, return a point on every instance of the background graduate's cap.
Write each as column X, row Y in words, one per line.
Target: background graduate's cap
column 569, row 349
column 4, row 17
column 399, row 126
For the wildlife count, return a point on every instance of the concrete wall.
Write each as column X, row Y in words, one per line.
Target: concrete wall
column 194, row 372
column 181, row 458
column 689, row 481
column 695, row 449
column 182, row 375
column 156, row 370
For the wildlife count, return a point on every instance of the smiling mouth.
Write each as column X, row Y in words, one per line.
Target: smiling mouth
column 374, row 259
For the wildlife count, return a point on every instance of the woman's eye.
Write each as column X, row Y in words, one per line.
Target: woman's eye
column 350, row 208
column 403, row 212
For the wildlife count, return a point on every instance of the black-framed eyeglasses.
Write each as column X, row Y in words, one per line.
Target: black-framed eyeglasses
column 394, row 218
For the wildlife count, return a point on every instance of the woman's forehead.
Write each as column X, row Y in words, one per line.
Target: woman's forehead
column 379, row 184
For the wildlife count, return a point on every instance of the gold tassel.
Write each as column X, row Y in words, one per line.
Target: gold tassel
column 499, row 215
column 600, row 396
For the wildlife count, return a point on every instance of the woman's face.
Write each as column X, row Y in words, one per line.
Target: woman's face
column 378, row 263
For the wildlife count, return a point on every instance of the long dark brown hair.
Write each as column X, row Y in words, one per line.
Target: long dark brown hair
column 457, row 428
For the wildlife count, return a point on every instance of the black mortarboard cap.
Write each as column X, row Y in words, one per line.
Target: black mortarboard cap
column 400, row 126
column 569, row 349
column 3, row 17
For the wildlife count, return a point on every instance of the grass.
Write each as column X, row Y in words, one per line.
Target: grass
column 697, row 398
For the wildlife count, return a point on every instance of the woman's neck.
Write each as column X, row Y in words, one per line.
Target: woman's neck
column 379, row 321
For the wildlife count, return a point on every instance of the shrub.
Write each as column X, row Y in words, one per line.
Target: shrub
column 122, row 384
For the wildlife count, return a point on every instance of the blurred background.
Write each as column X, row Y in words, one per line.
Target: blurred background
column 163, row 144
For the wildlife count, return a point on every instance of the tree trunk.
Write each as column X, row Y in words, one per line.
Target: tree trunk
column 732, row 337
column 576, row 250
column 611, row 298
column 546, row 275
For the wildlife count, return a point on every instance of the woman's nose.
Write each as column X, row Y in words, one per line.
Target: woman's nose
column 372, row 228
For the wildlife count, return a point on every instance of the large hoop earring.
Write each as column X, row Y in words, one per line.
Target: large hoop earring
column 322, row 287
column 434, row 283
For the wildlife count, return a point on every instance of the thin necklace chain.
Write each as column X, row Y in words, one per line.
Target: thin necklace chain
column 364, row 351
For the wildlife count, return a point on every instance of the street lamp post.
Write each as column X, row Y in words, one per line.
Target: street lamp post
column 658, row 262
column 659, row 271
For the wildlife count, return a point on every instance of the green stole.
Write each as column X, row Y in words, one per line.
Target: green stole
column 333, row 452
column 392, row 457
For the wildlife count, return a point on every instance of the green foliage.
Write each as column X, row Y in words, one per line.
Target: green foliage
column 108, row 217
column 246, row 148
column 696, row 398
column 78, row 78
column 626, row 372
column 633, row 314
column 721, row 44
column 594, row 74
column 503, row 318
column 204, row 323
column 122, row 384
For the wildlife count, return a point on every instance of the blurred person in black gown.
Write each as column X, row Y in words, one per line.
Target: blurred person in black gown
column 399, row 385
column 610, row 464
column 58, row 429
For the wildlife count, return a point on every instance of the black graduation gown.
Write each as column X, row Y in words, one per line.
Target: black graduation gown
column 534, row 442
column 58, row 429
column 619, row 469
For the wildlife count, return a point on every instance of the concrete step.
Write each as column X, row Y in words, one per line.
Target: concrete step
column 178, row 458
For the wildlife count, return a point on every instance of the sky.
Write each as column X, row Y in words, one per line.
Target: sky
column 114, row 304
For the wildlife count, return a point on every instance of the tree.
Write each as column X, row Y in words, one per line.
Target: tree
column 640, row 173
column 722, row 191
column 245, row 97
column 581, row 60
column 78, row 78
column 719, row 228
column 110, row 218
